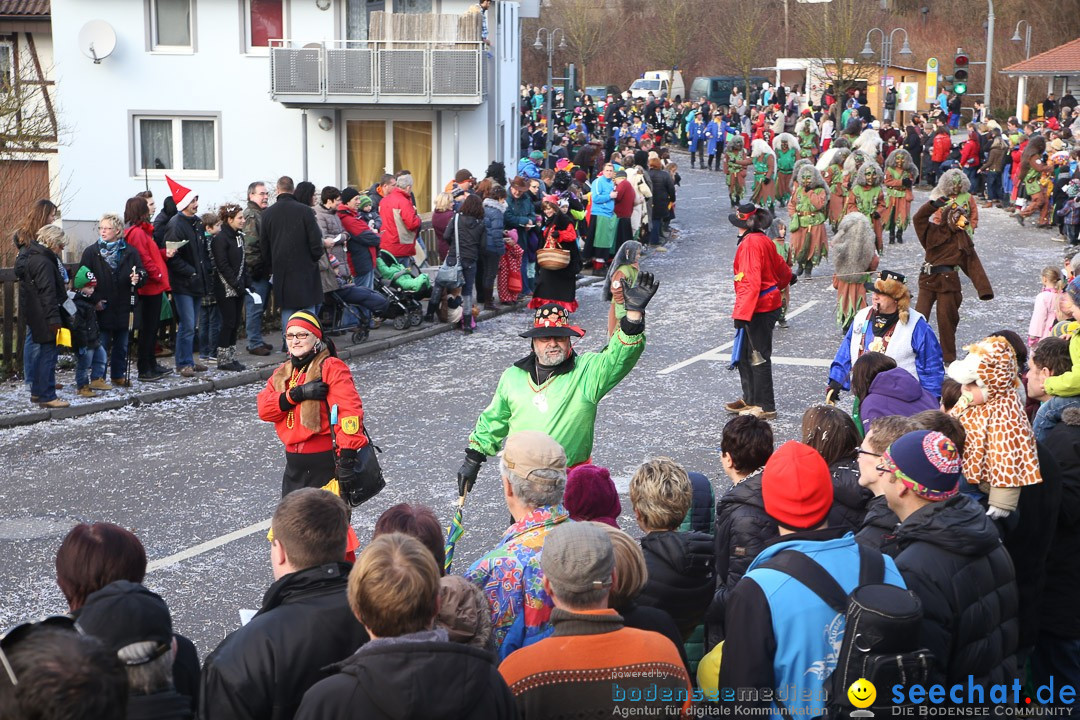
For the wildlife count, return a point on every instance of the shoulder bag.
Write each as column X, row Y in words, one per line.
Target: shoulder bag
column 450, row 276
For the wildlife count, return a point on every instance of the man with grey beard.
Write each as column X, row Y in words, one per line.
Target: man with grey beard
column 554, row 390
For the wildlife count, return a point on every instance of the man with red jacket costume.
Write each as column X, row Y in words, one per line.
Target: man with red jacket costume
column 400, row 222
column 760, row 276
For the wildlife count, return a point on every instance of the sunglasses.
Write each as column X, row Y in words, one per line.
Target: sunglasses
column 12, row 636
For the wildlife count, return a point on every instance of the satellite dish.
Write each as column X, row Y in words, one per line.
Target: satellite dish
column 97, row 40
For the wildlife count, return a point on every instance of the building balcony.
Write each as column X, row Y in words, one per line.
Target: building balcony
column 401, row 73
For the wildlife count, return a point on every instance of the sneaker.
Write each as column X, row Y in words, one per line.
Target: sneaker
column 100, row 384
column 57, row 403
column 200, row 368
column 187, row 371
column 85, row 391
column 782, row 324
column 736, row 407
column 757, row 412
column 150, row 377
column 261, row 351
column 121, row 382
column 160, row 369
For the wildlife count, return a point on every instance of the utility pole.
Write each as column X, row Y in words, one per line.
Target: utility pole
column 548, row 101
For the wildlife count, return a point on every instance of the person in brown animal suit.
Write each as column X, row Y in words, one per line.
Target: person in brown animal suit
column 948, row 248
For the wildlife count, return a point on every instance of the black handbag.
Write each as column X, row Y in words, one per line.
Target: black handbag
column 367, row 471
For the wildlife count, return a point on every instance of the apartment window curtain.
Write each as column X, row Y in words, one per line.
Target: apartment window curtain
column 156, row 144
column 198, row 138
column 412, row 152
column 173, row 22
column 267, row 20
column 366, row 149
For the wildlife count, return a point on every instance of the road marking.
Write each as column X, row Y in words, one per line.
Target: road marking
column 807, row 362
column 208, row 546
column 715, row 353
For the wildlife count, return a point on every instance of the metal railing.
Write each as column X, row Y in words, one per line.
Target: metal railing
column 406, row 71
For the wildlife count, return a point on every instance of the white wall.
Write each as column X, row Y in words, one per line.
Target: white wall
column 259, row 138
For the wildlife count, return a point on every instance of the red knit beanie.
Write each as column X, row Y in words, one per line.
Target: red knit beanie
column 591, row 495
column 796, row 486
column 305, row 321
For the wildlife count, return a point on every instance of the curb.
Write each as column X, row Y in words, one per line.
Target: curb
column 246, row 377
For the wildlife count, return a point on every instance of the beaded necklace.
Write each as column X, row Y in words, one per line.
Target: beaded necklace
column 294, row 380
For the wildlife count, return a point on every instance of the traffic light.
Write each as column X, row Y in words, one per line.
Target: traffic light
column 960, row 72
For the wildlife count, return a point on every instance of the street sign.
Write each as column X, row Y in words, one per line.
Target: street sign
column 907, row 96
column 931, row 79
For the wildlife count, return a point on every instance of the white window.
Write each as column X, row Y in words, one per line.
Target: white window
column 264, row 20
column 7, row 67
column 185, row 147
column 172, row 26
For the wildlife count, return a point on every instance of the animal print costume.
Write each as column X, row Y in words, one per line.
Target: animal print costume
column 999, row 449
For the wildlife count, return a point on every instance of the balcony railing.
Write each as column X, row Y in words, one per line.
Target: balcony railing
column 388, row 73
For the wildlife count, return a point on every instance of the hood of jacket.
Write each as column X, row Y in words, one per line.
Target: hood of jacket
column 28, row 251
column 898, row 384
column 499, row 205
column 690, row 554
column 958, row 525
column 880, row 515
column 430, row 679
column 310, row 581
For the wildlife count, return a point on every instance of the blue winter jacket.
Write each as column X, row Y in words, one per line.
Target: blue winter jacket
column 602, row 203
column 695, row 132
column 528, row 169
column 712, row 132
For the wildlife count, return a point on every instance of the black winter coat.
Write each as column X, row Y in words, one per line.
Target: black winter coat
column 262, row 670
column 473, row 236
column 878, row 524
column 161, row 221
column 187, row 268
column 681, row 582
column 227, row 251
column 1061, row 587
column 743, row 528
column 291, row 245
column 41, row 291
column 429, row 680
column 114, row 286
column 951, row 557
column 559, row 285
column 849, row 498
column 663, row 192
column 85, row 331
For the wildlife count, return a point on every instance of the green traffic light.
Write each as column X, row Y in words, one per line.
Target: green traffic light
column 960, row 88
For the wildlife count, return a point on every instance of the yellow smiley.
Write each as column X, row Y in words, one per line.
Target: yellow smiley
column 862, row 693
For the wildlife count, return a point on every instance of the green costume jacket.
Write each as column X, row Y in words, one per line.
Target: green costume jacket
column 564, row 406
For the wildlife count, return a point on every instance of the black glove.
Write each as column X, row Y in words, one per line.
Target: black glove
column 637, row 297
column 346, row 475
column 314, row 390
column 466, row 474
column 906, row 182
column 833, row 393
column 739, row 324
column 794, row 279
column 1044, row 157
column 766, row 181
column 940, row 202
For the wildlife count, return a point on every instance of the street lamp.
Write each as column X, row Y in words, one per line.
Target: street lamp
column 886, row 52
column 1027, row 38
column 538, row 45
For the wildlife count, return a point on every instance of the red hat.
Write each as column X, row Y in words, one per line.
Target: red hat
column 552, row 320
column 305, row 321
column 796, row 486
column 591, row 495
column 181, row 195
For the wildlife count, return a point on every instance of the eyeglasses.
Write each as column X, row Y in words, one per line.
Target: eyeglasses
column 867, row 452
column 12, row 636
column 297, row 337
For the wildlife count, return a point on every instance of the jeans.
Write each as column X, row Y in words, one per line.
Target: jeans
column 287, row 313
column 362, row 299
column 954, row 120
column 1049, row 415
column 31, row 353
column 114, row 344
column 973, row 177
column 365, row 279
column 1072, row 234
column 654, row 231
column 209, row 329
column 187, row 311
column 253, row 324
column 92, row 360
column 43, row 386
column 993, row 186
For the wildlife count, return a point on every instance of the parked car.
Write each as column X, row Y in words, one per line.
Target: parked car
column 656, row 81
column 717, row 88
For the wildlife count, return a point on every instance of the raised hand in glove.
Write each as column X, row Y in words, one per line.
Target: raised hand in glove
column 906, row 182
column 995, row 513
column 314, row 390
column 940, row 202
column 832, row 395
column 636, row 298
column 466, row 474
column 875, row 215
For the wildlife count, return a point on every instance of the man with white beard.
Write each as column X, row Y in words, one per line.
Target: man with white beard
column 553, row 389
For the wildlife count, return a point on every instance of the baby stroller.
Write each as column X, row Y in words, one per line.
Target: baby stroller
column 402, row 289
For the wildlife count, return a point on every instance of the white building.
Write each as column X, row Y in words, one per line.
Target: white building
column 218, row 93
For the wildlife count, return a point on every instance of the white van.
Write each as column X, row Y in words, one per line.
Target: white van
column 656, row 82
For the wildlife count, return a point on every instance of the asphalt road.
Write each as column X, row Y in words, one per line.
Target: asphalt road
column 185, row 473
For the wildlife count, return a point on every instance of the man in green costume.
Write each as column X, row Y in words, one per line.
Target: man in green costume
column 553, row 389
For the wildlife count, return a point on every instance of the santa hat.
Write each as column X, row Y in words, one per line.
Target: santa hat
column 181, row 195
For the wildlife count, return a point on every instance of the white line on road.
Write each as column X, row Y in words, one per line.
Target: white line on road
column 807, row 362
column 715, row 353
column 208, row 546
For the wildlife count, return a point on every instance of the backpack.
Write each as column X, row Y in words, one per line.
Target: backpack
column 881, row 634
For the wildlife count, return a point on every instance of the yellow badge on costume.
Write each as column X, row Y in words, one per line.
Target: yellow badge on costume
column 350, row 425
column 738, row 277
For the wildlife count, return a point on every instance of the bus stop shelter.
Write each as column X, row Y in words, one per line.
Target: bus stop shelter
column 1060, row 66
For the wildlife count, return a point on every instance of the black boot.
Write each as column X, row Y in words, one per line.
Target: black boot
column 900, row 237
column 892, row 236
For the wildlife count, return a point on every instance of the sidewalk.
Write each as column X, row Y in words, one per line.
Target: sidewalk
column 16, row 408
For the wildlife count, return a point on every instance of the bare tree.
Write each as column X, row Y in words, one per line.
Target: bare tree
column 833, row 34
column 741, row 51
column 669, row 32
column 589, row 27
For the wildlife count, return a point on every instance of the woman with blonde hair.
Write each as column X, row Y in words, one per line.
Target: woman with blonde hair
column 42, row 290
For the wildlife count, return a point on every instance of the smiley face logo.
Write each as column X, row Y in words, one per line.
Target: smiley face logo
column 862, row 693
